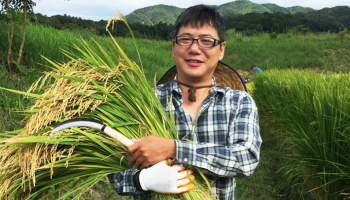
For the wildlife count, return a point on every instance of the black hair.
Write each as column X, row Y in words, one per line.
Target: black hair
column 200, row 15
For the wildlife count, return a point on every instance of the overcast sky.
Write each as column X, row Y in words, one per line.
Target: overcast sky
column 103, row 9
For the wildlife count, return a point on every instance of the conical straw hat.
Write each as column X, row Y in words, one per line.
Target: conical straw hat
column 225, row 76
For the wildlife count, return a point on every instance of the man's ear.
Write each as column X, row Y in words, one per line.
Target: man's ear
column 222, row 50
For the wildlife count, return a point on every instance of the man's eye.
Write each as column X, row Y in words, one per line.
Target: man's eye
column 185, row 39
column 207, row 40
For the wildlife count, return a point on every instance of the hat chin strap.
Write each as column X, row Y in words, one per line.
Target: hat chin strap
column 192, row 90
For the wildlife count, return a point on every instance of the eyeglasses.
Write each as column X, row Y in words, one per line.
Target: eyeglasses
column 205, row 42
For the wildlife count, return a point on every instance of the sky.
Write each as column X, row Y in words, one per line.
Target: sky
column 103, row 9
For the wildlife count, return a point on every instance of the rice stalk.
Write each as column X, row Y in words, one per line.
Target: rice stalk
column 96, row 84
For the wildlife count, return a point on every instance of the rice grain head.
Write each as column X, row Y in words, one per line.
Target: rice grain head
column 67, row 98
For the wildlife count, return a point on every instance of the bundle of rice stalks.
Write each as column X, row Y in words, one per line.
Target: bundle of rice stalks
column 96, row 84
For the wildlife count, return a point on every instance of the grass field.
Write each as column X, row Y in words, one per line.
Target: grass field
column 323, row 56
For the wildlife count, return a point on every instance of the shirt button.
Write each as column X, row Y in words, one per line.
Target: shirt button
column 185, row 160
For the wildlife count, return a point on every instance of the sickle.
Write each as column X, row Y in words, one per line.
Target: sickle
column 92, row 123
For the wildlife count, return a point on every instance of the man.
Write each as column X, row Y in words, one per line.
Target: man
column 245, row 80
column 255, row 69
column 221, row 123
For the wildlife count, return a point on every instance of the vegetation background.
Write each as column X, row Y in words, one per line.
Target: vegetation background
column 305, row 70
column 155, row 22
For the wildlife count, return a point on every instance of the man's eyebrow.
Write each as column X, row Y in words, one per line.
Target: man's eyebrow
column 185, row 34
column 189, row 34
column 205, row 35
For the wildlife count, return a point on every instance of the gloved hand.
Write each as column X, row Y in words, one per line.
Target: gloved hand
column 166, row 177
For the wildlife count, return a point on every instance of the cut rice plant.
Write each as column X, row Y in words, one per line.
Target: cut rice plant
column 96, row 84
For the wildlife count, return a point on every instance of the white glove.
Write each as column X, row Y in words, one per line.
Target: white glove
column 166, row 177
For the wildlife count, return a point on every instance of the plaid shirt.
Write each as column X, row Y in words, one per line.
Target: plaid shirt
column 226, row 139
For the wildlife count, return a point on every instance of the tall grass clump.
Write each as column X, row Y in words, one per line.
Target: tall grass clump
column 98, row 84
column 47, row 41
column 311, row 112
column 11, row 103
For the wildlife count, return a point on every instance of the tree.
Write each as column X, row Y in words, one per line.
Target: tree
column 10, row 6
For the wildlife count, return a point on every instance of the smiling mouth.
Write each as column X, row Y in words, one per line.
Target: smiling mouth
column 194, row 61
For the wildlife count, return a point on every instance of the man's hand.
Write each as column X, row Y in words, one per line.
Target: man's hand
column 150, row 150
column 166, row 177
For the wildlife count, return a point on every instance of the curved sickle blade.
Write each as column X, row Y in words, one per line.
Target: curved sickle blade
column 80, row 122
column 92, row 123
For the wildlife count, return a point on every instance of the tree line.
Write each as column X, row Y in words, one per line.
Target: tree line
column 328, row 20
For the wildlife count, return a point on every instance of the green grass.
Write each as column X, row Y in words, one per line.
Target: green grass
column 321, row 51
column 48, row 42
column 311, row 111
column 266, row 183
column 11, row 103
column 317, row 51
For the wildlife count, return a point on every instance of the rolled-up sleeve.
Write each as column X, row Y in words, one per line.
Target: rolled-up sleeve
column 124, row 185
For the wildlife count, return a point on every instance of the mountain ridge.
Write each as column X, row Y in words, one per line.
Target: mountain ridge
column 152, row 15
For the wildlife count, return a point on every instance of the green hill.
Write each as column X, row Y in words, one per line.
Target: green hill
column 339, row 16
column 290, row 10
column 163, row 13
column 155, row 14
column 275, row 8
column 299, row 9
column 241, row 7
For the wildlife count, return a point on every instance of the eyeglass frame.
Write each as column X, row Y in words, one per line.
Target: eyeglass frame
column 216, row 42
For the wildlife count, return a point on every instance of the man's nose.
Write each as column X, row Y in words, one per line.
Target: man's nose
column 195, row 46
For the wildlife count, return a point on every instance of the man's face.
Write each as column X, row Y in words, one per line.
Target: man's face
column 195, row 63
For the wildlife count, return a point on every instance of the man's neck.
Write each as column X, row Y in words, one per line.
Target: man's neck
column 190, row 90
column 193, row 107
